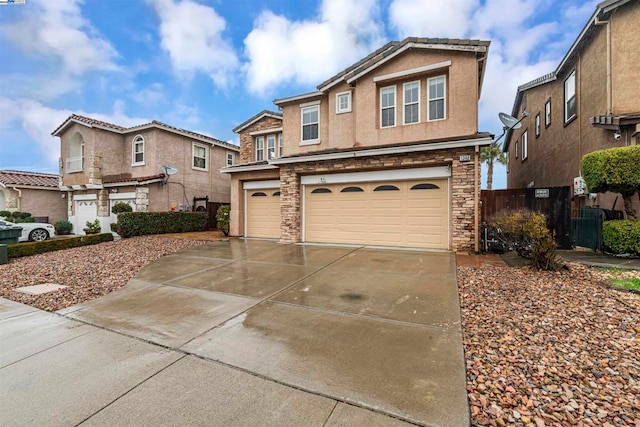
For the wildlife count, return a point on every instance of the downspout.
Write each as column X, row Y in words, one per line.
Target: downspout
column 19, row 196
column 597, row 21
column 477, row 198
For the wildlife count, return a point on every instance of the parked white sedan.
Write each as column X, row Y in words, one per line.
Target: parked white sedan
column 32, row 231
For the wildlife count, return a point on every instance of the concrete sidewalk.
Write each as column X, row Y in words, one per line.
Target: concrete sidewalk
column 597, row 259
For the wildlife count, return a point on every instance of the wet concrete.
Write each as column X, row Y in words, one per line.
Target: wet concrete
column 174, row 266
column 415, row 263
column 414, row 372
column 10, row 309
column 164, row 315
column 313, row 256
column 347, row 415
column 233, row 249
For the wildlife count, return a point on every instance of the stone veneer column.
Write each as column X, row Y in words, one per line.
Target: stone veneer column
column 103, row 203
column 290, row 200
column 463, row 206
column 95, row 168
column 70, row 212
column 142, row 199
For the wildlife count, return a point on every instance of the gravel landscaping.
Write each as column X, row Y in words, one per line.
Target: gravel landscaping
column 88, row 271
column 550, row 349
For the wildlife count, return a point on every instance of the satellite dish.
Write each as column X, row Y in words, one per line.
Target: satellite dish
column 510, row 122
column 169, row 170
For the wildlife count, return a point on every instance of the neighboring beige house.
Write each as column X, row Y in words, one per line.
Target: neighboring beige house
column 384, row 153
column 152, row 167
column 590, row 102
column 33, row 192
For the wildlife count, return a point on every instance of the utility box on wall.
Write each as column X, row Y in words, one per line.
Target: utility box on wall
column 579, row 186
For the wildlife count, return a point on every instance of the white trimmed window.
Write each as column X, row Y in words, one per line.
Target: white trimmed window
column 547, row 113
column 387, row 106
column 437, row 98
column 280, row 145
column 343, row 102
column 310, row 123
column 516, row 149
column 537, row 125
column 525, row 143
column 570, row 97
column 411, row 102
column 229, row 158
column 271, row 147
column 508, row 163
column 137, row 149
column 200, row 156
column 259, row 148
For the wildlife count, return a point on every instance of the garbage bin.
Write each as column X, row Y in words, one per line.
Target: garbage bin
column 10, row 235
column 4, row 256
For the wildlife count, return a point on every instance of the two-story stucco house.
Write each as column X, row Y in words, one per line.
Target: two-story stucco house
column 152, row 167
column 385, row 153
column 591, row 101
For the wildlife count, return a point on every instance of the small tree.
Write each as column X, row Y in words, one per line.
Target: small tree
column 491, row 155
column 616, row 170
column 223, row 219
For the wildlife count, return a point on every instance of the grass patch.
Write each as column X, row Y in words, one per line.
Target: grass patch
column 629, row 283
column 612, row 270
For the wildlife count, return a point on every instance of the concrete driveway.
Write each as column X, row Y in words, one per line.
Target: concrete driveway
column 248, row 333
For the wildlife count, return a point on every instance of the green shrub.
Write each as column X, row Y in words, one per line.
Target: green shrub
column 63, row 227
column 32, row 248
column 5, row 214
column 223, row 219
column 622, row 236
column 18, row 217
column 142, row 223
column 121, row 207
column 92, row 227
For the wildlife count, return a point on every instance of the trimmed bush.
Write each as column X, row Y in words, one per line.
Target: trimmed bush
column 121, row 207
column 33, row 248
column 18, row 217
column 63, row 227
column 223, row 219
column 622, row 236
column 143, row 223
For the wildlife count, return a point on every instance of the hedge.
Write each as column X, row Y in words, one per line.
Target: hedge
column 142, row 223
column 622, row 236
column 32, row 248
column 614, row 169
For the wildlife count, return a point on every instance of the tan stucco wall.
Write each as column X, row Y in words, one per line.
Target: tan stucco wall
column 625, row 48
column 236, row 227
column 38, row 202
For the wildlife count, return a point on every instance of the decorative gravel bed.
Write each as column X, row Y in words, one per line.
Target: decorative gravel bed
column 550, row 348
column 88, row 271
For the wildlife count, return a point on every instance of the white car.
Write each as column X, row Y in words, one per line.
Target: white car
column 32, row 231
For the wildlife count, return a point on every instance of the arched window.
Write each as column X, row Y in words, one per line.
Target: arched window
column 75, row 161
column 425, row 187
column 259, row 194
column 386, row 188
column 352, row 190
column 321, row 191
column 276, row 194
column 137, row 150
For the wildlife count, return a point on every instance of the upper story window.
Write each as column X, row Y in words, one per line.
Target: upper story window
column 271, row 147
column 547, row 113
column 75, row 161
column 343, row 102
column 138, row 151
column 537, row 125
column 437, row 97
column 229, row 158
column 387, row 106
column 259, row 148
column 570, row 97
column 411, row 102
column 525, row 143
column 280, row 145
column 515, row 149
column 200, row 156
column 310, row 124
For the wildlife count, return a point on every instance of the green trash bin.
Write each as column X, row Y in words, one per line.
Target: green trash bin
column 4, row 257
column 10, row 235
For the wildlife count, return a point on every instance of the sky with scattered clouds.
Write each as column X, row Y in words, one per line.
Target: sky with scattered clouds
column 207, row 66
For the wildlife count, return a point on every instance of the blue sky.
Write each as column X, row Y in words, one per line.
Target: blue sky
column 208, row 65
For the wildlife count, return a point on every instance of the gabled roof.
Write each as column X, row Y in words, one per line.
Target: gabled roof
column 93, row 123
column 393, row 49
column 29, row 179
column 257, row 117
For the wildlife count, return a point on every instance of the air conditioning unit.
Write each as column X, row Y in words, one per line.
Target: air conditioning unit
column 579, row 186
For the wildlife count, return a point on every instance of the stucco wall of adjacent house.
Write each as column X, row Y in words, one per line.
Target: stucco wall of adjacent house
column 38, row 202
column 247, row 141
column 236, row 226
column 361, row 127
column 625, row 45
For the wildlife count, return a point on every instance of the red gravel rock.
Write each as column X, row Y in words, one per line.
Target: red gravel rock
column 550, row 348
column 88, row 271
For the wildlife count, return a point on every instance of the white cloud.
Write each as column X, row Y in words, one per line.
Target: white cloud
column 152, row 95
column 421, row 18
column 308, row 52
column 192, row 34
column 57, row 30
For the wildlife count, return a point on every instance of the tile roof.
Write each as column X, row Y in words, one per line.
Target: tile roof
column 35, row 179
column 89, row 121
column 112, row 179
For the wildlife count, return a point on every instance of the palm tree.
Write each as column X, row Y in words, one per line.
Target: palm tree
column 490, row 155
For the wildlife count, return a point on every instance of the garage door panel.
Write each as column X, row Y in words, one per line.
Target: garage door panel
column 402, row 217
column 263, row 213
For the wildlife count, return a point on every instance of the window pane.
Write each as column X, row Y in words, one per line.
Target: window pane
column 310, row 115
column 436, row 87
column 386, row 188
column 388, row 117
column 436, row 109
column 321, row 191
column 309, row 132
column 139, row 157
column 425, row 187
column 411, row 113
column 388, row 97
column 411, row 92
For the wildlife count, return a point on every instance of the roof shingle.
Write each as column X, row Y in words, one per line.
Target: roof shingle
column 35, row 179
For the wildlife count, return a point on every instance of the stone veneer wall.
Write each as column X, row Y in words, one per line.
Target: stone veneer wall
column 246, row 140
column 463, row 188
column 142, row 199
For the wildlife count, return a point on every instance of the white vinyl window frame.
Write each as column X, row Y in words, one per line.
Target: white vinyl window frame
column 516, row 149
column 310, row 124
column 280, row 145
column 230, row 158
column 411, row 101
column 199, row 156
column 271, row 147
column 343, row 102
column 436, row 97
column 137, row 151
column 387, row 105
column 525, row 144
column 570, row 98
column 537, row 125
column 547, row 113
column 259, row 148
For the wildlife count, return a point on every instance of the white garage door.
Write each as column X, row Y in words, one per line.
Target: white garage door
column 409, row 213
column 263, row 213
column 86, row 210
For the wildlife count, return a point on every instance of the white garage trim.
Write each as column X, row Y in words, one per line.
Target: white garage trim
column 85, row 197
column 121, row 196
column 386, row 175
column 258, row 185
